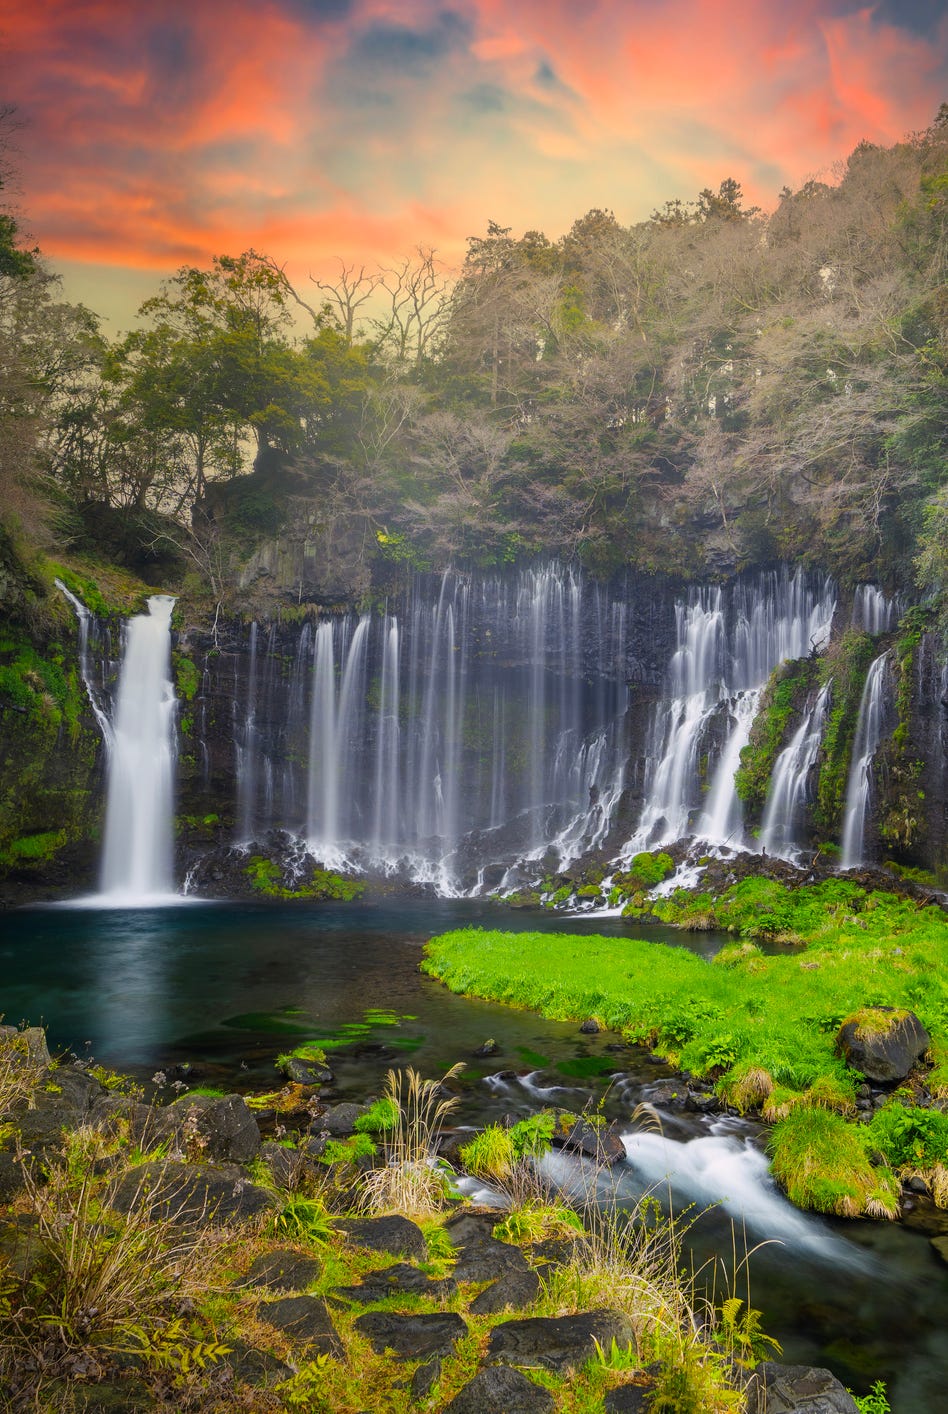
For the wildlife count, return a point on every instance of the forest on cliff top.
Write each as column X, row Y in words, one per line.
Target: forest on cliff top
column 711, row 388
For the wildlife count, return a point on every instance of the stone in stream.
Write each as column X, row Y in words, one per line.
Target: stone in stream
column 498, row 1390
column 412, row 1337
column 797, row 1389
column 306, row 1072
column 559, row 1342
column 603, row 1143
column 339, row 1120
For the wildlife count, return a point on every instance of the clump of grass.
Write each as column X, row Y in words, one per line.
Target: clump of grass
column 823, row 1163
column 411, row 1181
column 20, row 1071
column 101, row 1282
column 746, row 1086
column 495, row 1151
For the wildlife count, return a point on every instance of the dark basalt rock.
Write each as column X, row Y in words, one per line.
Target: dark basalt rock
column 281, row 1271
column 396, row 1235
column 412, row 1337
column 472, row 1225
column 590, row 1027
column 192, row 1193
column 558, row 1342
column 339, row 1120
column 601, row 1143
column 399, row 1280
column 65, row 1105
column 628, row 1399
column 256, row 1367
column 489, row 1048
column 516, row 1289
column 424, row 1379
column 221, row 1125
column 305, row 1072
column 500, row 1391
column 303, row 1318
column 797, row 1389
column 484, row 1258
column 888, row 1053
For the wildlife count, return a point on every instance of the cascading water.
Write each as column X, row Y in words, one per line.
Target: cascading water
column 874, row 611
column 470, row 735
column 727, row 648
column 869, row 728
column 94, row 690
column 789, row 783
column 137, row 866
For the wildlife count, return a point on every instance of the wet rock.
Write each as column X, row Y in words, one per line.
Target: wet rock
column 602, row 1143
column 304, row 1072
column 883, row 1043
column 797, row 1389
column 339, row 1120
column 558, row 1342
column 192, row 1193
column 498, row 1390
column 484, row 1258
column 303, row 1318
column 396, row 1235
column 412, row 1337
column 489, row 1048
column 219, row 1126
column 400, row 1280
column 516, row 1289
column 281, row 1271
column 699, row 1102
column 590, row 1027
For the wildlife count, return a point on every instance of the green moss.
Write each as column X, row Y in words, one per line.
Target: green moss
column 784, row 695
column 644, row 872
column 266, row 878
column 187, row 677
column 823, row 1163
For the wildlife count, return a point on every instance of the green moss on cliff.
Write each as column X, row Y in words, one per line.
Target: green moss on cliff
column 783, row 697
column 846, row 663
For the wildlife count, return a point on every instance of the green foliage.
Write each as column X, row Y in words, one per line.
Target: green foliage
column 348, row 1151
column 381, row 1115
column 304, row 1220
column 739, row 1330
column 265, row 877
column 784, row 695
column 823, row 1163
column 909, row 1137
column 644, row 872
column 187, row 677
column 875, row 1402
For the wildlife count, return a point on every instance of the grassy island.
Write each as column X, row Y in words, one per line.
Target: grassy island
column 763, row 1026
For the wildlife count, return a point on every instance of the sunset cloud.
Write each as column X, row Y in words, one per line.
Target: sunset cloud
column 313, row 129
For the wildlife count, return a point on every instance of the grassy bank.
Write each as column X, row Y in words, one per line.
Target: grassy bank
column 764, row 1026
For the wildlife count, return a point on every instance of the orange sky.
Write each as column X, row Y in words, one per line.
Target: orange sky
column 154, row 136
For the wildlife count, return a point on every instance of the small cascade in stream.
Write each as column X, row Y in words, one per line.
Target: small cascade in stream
column 137, row 866
column 727, row 646
column 869, row 727
column 789, row 783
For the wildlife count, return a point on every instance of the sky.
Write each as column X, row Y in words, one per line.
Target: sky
column 158, row 133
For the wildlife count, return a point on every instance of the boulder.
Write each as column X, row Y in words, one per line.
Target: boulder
column 498, row 1390
column 882, row 1042
column 483, row 1259
column 282, row 1270
column 339, row 1120
column 192, row 1193
column 797, row 1389
column 516, row 1289
column 397, row 1235
column 602, row 1143
column 304, row 1319
column 412, row 1337
column 220, row 1126
column 628, row 1399
column 559, row 1342
column 305, row 1072
column 399, row 1280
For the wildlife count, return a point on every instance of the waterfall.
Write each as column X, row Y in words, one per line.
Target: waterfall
column 727, row 647
column 85, row 622
column 869, row 726
column 137, row 865
column 789, row 783
column 873, row 611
